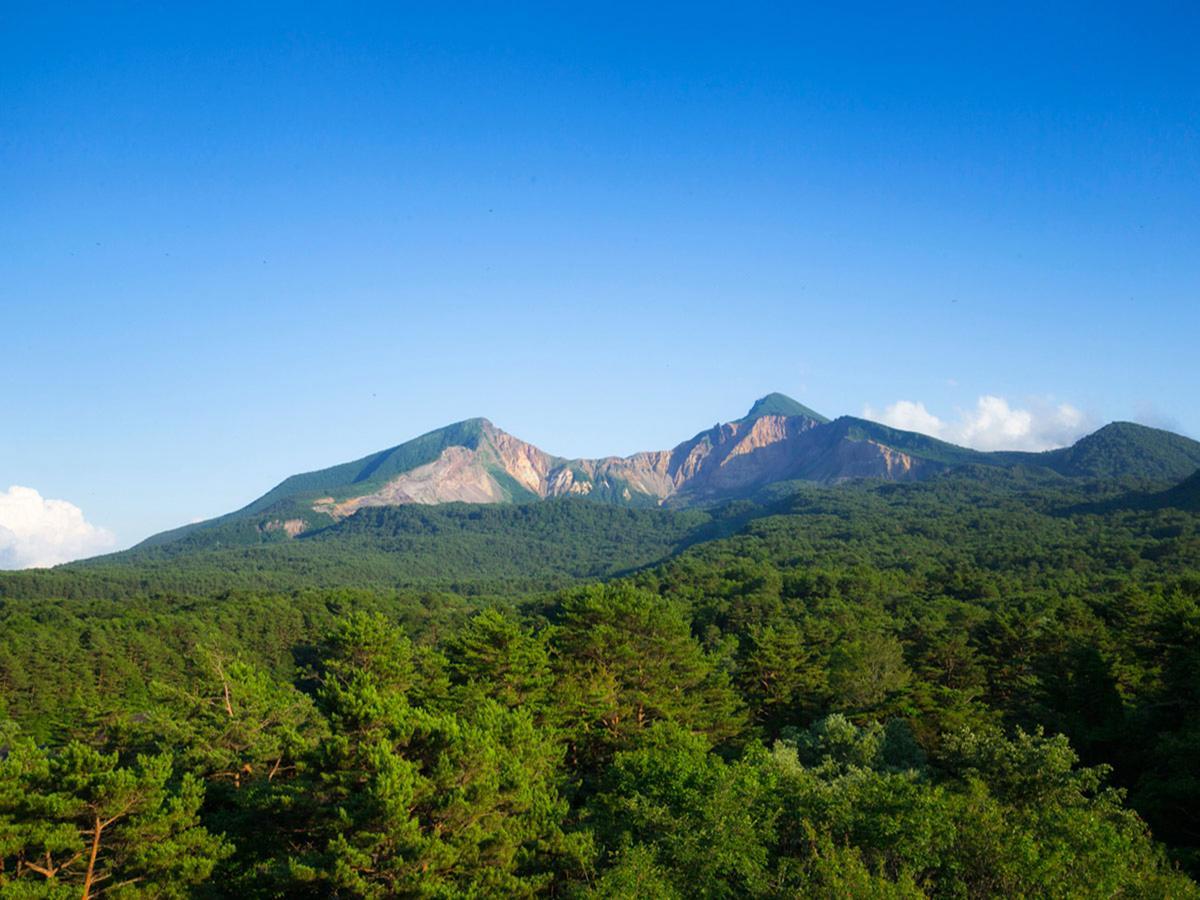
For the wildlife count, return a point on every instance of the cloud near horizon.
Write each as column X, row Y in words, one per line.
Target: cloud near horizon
column 994, row 424
column 36, row 532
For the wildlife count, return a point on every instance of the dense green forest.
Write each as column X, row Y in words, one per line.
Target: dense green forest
column 468, row 549
column 987, row 684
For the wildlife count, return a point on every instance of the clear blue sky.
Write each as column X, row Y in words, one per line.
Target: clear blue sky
column 236, row 245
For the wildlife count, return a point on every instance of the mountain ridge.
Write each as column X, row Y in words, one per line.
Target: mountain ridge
column 778, row 440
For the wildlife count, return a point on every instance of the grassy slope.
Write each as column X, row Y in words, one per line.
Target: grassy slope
column 781, row 405
column 358, row 477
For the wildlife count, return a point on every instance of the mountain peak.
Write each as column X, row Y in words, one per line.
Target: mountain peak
column 1126, row 448
column 779, row 440
column 777, row 404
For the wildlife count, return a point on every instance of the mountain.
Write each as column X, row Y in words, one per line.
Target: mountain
column 498, row 548
column 476, row 462
column 1186, row 494
column 1123, row 449
column 1183, row 496
column 778, row 440
column 782, row 405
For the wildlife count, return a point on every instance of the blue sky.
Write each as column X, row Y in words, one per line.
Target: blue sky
column 240, row 244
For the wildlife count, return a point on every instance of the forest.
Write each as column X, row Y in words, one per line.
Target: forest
column 983, row 685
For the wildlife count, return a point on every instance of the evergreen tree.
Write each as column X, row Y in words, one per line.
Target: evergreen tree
column 411, row 801
column 75, row 822
column 628, row 659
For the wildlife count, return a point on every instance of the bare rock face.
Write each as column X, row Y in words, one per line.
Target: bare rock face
column 744, row 454
column 453, row 476
column 528, row 466
column 473, row 461
column 291, row 527
column 726, row 460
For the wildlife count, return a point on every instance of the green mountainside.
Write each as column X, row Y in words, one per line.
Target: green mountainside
column 911, row 442
column 781, row 405
column 847, row 660
column 1185, row 495
column 778, row 441
column 1118, row 450
column 472, row 549
column 1123, row 449
column 498, row 548
column 289, row 496
column 918, row 689
column 372, row 471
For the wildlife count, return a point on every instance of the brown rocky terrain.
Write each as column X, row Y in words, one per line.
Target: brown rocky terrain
column 726, row 460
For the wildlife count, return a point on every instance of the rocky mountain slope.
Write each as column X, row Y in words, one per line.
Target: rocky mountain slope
column 777, row 440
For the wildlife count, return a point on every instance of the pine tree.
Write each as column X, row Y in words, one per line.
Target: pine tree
column 77, row 822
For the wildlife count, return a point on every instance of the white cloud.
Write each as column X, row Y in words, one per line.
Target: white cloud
column 36, row 532
column 909, row 416
column 994, row 424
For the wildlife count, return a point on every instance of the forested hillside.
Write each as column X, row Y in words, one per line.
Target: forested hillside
column 466, row 548
column 778, row 441
column 398, row 500
column 983, row 685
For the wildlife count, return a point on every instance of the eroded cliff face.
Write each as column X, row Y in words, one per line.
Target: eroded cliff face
column 291, row 527
column 723, row 461
column 742, row 454
column 454, row 476
column 528, row 466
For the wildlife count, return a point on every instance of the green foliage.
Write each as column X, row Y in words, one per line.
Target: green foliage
column 75, row 822
column 781, row 674
column 466, row 549
column 710, row 823
column 974, row 831
column 234, row 724
column 835, row 743
column 868, row 675
column 498, row 656
column 628, row 660
column 1123, row 449
column 634, row 874
column 410, row 800
column 983, row 685
column 1185, row 495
